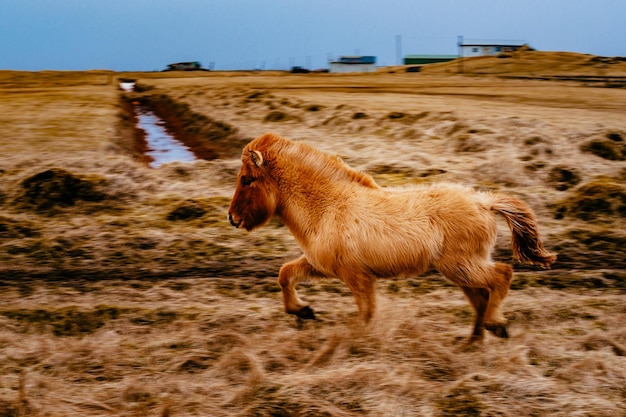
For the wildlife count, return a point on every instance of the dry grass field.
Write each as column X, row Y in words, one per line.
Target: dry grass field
column 124, row 291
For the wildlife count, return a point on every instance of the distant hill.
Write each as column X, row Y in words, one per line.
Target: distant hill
column 534, row 64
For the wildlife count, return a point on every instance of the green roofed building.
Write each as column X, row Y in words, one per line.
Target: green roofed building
column 427, row 59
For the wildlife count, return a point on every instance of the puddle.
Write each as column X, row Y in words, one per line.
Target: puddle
column 162, row 147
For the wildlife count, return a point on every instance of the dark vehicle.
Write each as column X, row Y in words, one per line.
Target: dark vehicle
column 299, row 70
column 185, row 66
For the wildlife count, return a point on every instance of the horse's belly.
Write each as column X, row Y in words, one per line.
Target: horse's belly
column 397, row 264
column 378, row 258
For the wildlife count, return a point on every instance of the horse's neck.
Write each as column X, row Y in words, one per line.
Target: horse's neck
column 314, row 188
column 306, row 201
column 301, row 210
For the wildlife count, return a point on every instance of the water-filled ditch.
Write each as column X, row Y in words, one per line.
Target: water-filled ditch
column 162, row 146
column 167, row 130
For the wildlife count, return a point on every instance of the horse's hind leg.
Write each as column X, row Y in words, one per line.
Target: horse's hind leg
column 484, row 284
column 499, row 283
column 479, row 298
column 290, row 274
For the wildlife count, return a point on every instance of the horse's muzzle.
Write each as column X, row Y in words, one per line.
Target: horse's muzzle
column 233, row 222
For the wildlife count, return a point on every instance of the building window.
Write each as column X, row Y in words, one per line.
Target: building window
column 498, row 49
column 474, row 50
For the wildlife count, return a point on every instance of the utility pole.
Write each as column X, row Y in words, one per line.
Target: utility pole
column 460, row 59
column 399, row 50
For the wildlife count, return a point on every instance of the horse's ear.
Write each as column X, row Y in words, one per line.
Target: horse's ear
column 256, row 158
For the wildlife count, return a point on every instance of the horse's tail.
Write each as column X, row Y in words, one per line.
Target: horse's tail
column 527, row 246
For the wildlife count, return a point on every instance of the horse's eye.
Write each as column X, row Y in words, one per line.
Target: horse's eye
column 246, row 180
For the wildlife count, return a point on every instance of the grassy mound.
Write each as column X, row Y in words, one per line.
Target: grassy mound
column 206, row 210
column 595, row 200
column 611, row 147
column 535, row 63
column 277, row 116
column 587, row 247
column 57, row 187
column 563, row 178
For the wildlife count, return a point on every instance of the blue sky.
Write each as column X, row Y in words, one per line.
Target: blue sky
column 146, row 35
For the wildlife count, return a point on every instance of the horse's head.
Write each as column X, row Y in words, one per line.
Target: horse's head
column 256, row 195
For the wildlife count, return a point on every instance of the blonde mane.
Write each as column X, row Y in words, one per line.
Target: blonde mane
column 300, row 154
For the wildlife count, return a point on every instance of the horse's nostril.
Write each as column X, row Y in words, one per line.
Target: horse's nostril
column 233, row 222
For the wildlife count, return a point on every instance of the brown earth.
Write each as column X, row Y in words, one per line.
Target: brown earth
column 124, row 290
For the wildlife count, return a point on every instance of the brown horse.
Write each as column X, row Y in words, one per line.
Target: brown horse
column 350, row 228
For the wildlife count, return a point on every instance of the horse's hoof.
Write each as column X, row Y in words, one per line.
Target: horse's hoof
column 498, row 330
column 305, row 313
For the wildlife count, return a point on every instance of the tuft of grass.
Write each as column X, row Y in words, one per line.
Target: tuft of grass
column 314, row 107
column 587, row 248
column 154, row 317
column 534, row 140
column 615, row 136
column 178, row 286
column 270, row 400
column 278, row 116
column 204, row 210
column 391, row 169
column 594, row 200
column 256, row 96
column 469, row 143
column 188, row 209
column 68, row 321
column 606, row 148
column 11, row 228
column 405, row 118
column 459, row 401
column 563, row 178
column 427, row 284
column 395, row 115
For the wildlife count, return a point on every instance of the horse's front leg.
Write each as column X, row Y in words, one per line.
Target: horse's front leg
column 290, row 274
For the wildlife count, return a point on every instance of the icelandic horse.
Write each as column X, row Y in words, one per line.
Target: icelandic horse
column 350, row 228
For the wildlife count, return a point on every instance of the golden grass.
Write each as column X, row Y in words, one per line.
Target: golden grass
column 124, row 290
column 222, row 347
column 46, row 114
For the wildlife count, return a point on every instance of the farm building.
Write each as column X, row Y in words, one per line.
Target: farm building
column 185, row 66
column 470, row 48
column 427, row 59
column 354, row 64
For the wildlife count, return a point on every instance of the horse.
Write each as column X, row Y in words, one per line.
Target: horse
column 348, row 227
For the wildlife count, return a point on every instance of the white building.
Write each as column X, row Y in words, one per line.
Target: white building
column 470, row 47
column 354, row 64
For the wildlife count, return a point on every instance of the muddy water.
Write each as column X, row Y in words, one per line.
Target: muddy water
column 162, row 147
